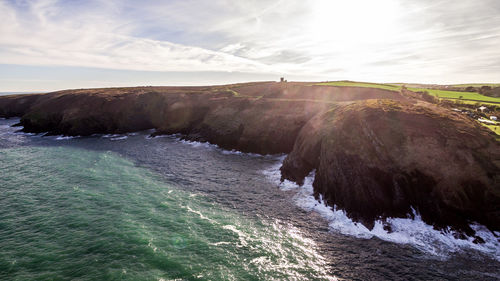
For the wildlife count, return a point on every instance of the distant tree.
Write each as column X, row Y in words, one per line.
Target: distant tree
column 485, row 90
column 428, row 97
column 495, row 92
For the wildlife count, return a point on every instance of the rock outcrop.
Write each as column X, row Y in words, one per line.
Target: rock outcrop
column 380, row 158
column 17, row 105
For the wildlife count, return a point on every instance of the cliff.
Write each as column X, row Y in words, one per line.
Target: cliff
column 376, row 153
column 380, row 158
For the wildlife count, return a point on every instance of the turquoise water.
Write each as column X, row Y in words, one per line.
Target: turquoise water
column 132, row 207
column 70, row 213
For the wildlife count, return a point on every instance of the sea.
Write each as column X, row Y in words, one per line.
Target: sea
column 136, row 207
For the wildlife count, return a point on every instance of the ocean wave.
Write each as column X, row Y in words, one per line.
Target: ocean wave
column 19, row 132
column 121, row 137
column 115, row 137
column 198, row 144
column 151, row 136
column 411, row 231
column 66, row 137
column 179, row 138
column 236, row 152
column 218, row 148
column 109, row 136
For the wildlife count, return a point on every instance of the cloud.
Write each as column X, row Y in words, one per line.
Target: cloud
column 49, row 37
column 441, row 41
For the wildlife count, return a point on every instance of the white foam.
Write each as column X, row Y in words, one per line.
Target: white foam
column 115, row 137
column 208, row 145
column 236, row 152
column 202, row 216
column 198, row 144
column 241, row 236
column 107, row 136
column 274, row 174
column 66, row 137
column 24, row 133
column 119, row 138
column 220, row 243
column 409, row 231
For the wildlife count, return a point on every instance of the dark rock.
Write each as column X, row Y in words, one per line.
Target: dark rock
column 383, row 158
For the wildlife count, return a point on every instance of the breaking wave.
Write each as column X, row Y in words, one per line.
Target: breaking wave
column 207, row 145
column 409, row 231
column 65, row 137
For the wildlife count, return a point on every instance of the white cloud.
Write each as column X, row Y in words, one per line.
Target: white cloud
column 388, row 40
column 81, row 42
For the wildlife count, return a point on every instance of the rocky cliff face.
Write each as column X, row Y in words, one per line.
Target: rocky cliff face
column 378, row 154
column 16, row 105
column 245, row 123
column 380, row 158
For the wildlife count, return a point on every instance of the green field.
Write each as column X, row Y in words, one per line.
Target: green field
column 466, row 97
column 361, row 84
column 456, row 95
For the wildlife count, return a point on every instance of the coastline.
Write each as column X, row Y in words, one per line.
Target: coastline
column 273, row 118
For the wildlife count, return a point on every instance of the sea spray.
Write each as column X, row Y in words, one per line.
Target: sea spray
column 412, row 231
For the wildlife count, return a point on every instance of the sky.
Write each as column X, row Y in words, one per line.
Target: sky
column 49, row 44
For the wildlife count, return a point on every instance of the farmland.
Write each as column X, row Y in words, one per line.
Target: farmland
column 471, row 96
column 466, row 97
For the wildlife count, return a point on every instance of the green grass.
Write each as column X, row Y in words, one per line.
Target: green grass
column 361, row 84
column 467, row 97
column 456, row 95
column 495, row 129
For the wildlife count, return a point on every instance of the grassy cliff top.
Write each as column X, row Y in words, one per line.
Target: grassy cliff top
column 466, row 97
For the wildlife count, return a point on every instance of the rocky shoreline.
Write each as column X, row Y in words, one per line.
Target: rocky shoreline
column 376, row 153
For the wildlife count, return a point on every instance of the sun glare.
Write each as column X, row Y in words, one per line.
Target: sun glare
column 353, row 22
